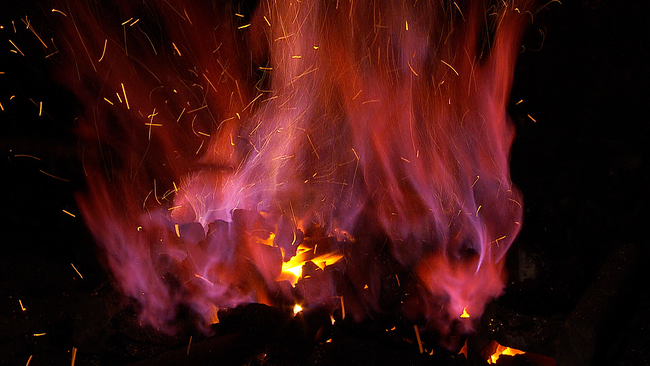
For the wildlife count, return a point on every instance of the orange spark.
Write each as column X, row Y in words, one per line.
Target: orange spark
column 17, row 49
column 53, row 176
column 76, row 270
column 52, row 54
column 198, row 109
column 417, row 336
column 411, row 67
column 451, row 67
column 27, row 156
column 461, row 13
column 29, row 26
column 60, row 12
column 69, row 213
column 203, row 278
column 477, row 178
column 177, row 50
column 126, row 100
column 74, row 355
column 21, row 306
column 103, row 53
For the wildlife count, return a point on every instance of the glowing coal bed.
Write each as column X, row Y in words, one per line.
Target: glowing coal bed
column 299, row 183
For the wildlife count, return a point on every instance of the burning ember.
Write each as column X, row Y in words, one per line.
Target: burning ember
column 286, row 155
column 501, row 350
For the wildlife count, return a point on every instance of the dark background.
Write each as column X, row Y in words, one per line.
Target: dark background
column 583, row 76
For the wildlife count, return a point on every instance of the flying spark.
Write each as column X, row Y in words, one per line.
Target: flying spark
column 76, row 270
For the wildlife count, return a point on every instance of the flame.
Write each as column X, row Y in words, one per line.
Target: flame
column 502, row 350
column 296, row 309
column 292, row 269
column 353, row 125
column 463, row 350
column 465, row 314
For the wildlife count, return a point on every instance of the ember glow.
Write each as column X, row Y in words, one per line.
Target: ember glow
column 234, row 158
column 502, row 350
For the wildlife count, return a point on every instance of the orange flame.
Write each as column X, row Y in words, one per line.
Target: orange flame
column 292, row 269
column 502, row 350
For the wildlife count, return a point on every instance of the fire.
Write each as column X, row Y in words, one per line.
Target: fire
column 501, row 350
column 296, row 309
column 463, row 350
column 244, row 148
column 292, row 269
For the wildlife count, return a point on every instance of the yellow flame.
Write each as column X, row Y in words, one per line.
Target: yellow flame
column 292, row 269
column 296, row 309
column 465, row 314
column 502, row 350
column 268, row 241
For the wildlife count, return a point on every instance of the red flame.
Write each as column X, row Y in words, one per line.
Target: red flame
column 205, row 173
